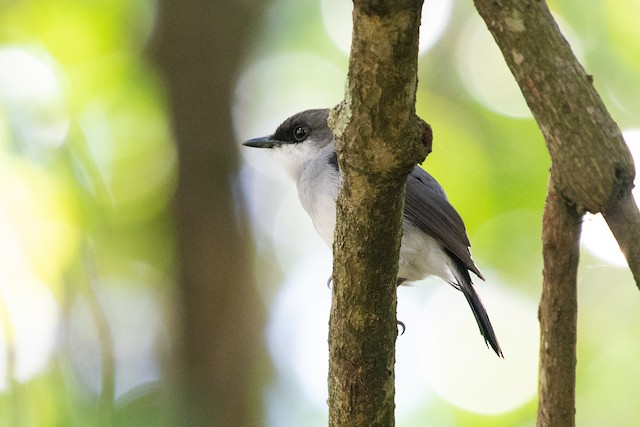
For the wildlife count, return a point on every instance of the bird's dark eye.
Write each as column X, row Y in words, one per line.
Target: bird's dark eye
column 300, row 133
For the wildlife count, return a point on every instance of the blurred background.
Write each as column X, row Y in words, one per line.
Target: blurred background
column 88, row 169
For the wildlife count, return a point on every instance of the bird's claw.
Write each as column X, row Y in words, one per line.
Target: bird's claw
column 404, row 328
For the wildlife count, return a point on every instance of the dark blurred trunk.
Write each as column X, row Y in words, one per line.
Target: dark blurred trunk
column 198, row 47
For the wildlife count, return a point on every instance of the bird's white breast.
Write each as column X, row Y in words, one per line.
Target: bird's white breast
column 317, row 190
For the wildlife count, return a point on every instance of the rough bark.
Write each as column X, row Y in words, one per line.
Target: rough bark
column 378, row 143
column 561, row 227
column 198, row 47
column 592, row 163
column 592, row 170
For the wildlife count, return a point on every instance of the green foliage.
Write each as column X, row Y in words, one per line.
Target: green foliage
column 87, row 172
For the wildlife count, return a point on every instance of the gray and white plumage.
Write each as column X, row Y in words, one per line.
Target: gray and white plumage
column 434, row 240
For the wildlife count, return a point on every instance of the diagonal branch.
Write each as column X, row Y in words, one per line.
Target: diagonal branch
column 623, row 219
column 592, row 163
column 594, row 168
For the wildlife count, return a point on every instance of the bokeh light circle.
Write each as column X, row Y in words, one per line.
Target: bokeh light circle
column 272, row 89
column 33, row 99
column 336, row 17
column 133, row 317
column 485, row 73
column 275, row 87
column 298, row 328
column 459, row 366
column 29, row 311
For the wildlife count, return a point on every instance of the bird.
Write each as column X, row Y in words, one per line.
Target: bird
column 434, row 239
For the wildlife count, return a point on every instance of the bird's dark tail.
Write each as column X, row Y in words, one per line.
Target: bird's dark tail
column 466, row 287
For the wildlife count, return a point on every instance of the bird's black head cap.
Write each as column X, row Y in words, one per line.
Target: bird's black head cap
column 307, row 124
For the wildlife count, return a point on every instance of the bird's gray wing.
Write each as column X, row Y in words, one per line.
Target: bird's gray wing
column 426, row 206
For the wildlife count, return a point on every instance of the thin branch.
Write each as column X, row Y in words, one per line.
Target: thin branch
column 624, row 221
column 558, row 312
column 107, row 351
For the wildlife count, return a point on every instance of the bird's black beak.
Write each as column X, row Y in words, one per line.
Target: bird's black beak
column 262, row 142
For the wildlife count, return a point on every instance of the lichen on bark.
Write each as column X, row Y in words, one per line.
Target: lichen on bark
column 378, row 143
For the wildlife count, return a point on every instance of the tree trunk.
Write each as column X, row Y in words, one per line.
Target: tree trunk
column 378, row 143
column 561, row 226
column 592, row 170
column 198, row 47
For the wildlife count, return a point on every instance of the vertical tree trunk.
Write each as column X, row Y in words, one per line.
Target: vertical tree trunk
column 378, row 143
column 199, row 47
column 558, row 311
